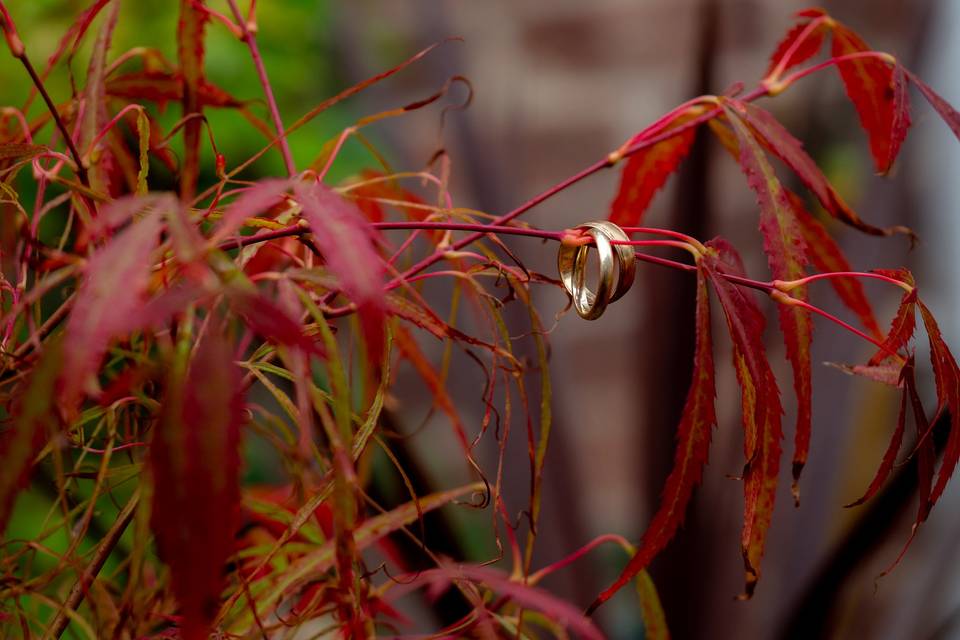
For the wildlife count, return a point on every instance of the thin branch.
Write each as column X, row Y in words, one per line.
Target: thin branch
column 251, row 41
column 80, row 587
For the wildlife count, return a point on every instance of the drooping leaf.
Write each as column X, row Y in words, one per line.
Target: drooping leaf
column 30, row 420
column 195, row 461
column 901, row 330
column 943, row 108
column 947, row 375
column 190, row 51
column 786, row 252
column 760, row 400
column 900, row 121
column 693, row 442
column 826, row 256
column 20, row 150
column 869, row 85
column 646, row 171
column 790, row 150
column 114, row 283
column 346, row 241
column 890, row 456
column 799, row 51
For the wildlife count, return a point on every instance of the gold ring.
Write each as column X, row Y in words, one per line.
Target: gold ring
column 572, row 262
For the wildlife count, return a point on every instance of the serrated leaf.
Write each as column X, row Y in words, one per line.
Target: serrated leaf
column 760, row 400
column 890, row 455
column 95, row 115
column 786, row 253
column 114, row 282
column 690, row 456
column 869, row 85
column 790, row 150
column 805, row 49
column 20, row 151
column 943, row 108
column 645, row 172
column 901, row 330
column 346, row 241
column 195, row 462
column 947, row 375
column 888, row 374
column 826, row 256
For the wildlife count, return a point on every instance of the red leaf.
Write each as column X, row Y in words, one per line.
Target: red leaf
column 31, row 416
column 901, row 330
column 890, row 456
column 268, row 320
column 942, row 107
column 645, row 172
column 901, row 114
column 95, row 115
column 826, row 256
column 366, row 196
column 786, row 251
column 160, row 87
column 195, row 461
column 114, row 283
column 869, row 85
column 760, row 400
column 947, row 375
column 252, row 202
column 693, row 444
column 346, row 241
column 790, row 150
column 888, row 374
column 805, row 49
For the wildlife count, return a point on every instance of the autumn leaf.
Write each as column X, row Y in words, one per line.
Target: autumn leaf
column 870, row 85
column 646, row 171
column 812, row 33
column 114, row 283
column 195, row 461
column 947, row 375
column 890, row 455
column 941, row 106
column 901, row 330
column 161, row 87
column 760, row 400
column 826, row 256
column 693, row 443
column 252, row 202
column 781, row 143
column 346, row 241
column 786, row 252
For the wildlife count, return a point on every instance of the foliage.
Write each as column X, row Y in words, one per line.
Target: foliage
column 146, row 334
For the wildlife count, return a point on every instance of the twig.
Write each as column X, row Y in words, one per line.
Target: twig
column 80, row 587
column 251, row 41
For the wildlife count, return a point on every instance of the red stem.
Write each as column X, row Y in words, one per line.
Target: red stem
column 251, row 41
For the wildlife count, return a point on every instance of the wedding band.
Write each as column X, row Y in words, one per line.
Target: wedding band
column 625, row 255
column 572, row 263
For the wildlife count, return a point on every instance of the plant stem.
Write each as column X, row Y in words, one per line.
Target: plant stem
column 103, row 551
column 791, row 284
column 251, row 41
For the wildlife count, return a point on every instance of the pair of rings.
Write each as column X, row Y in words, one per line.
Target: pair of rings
column 616, row 269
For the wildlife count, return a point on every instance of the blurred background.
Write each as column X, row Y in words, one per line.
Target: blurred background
column 557, row 85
